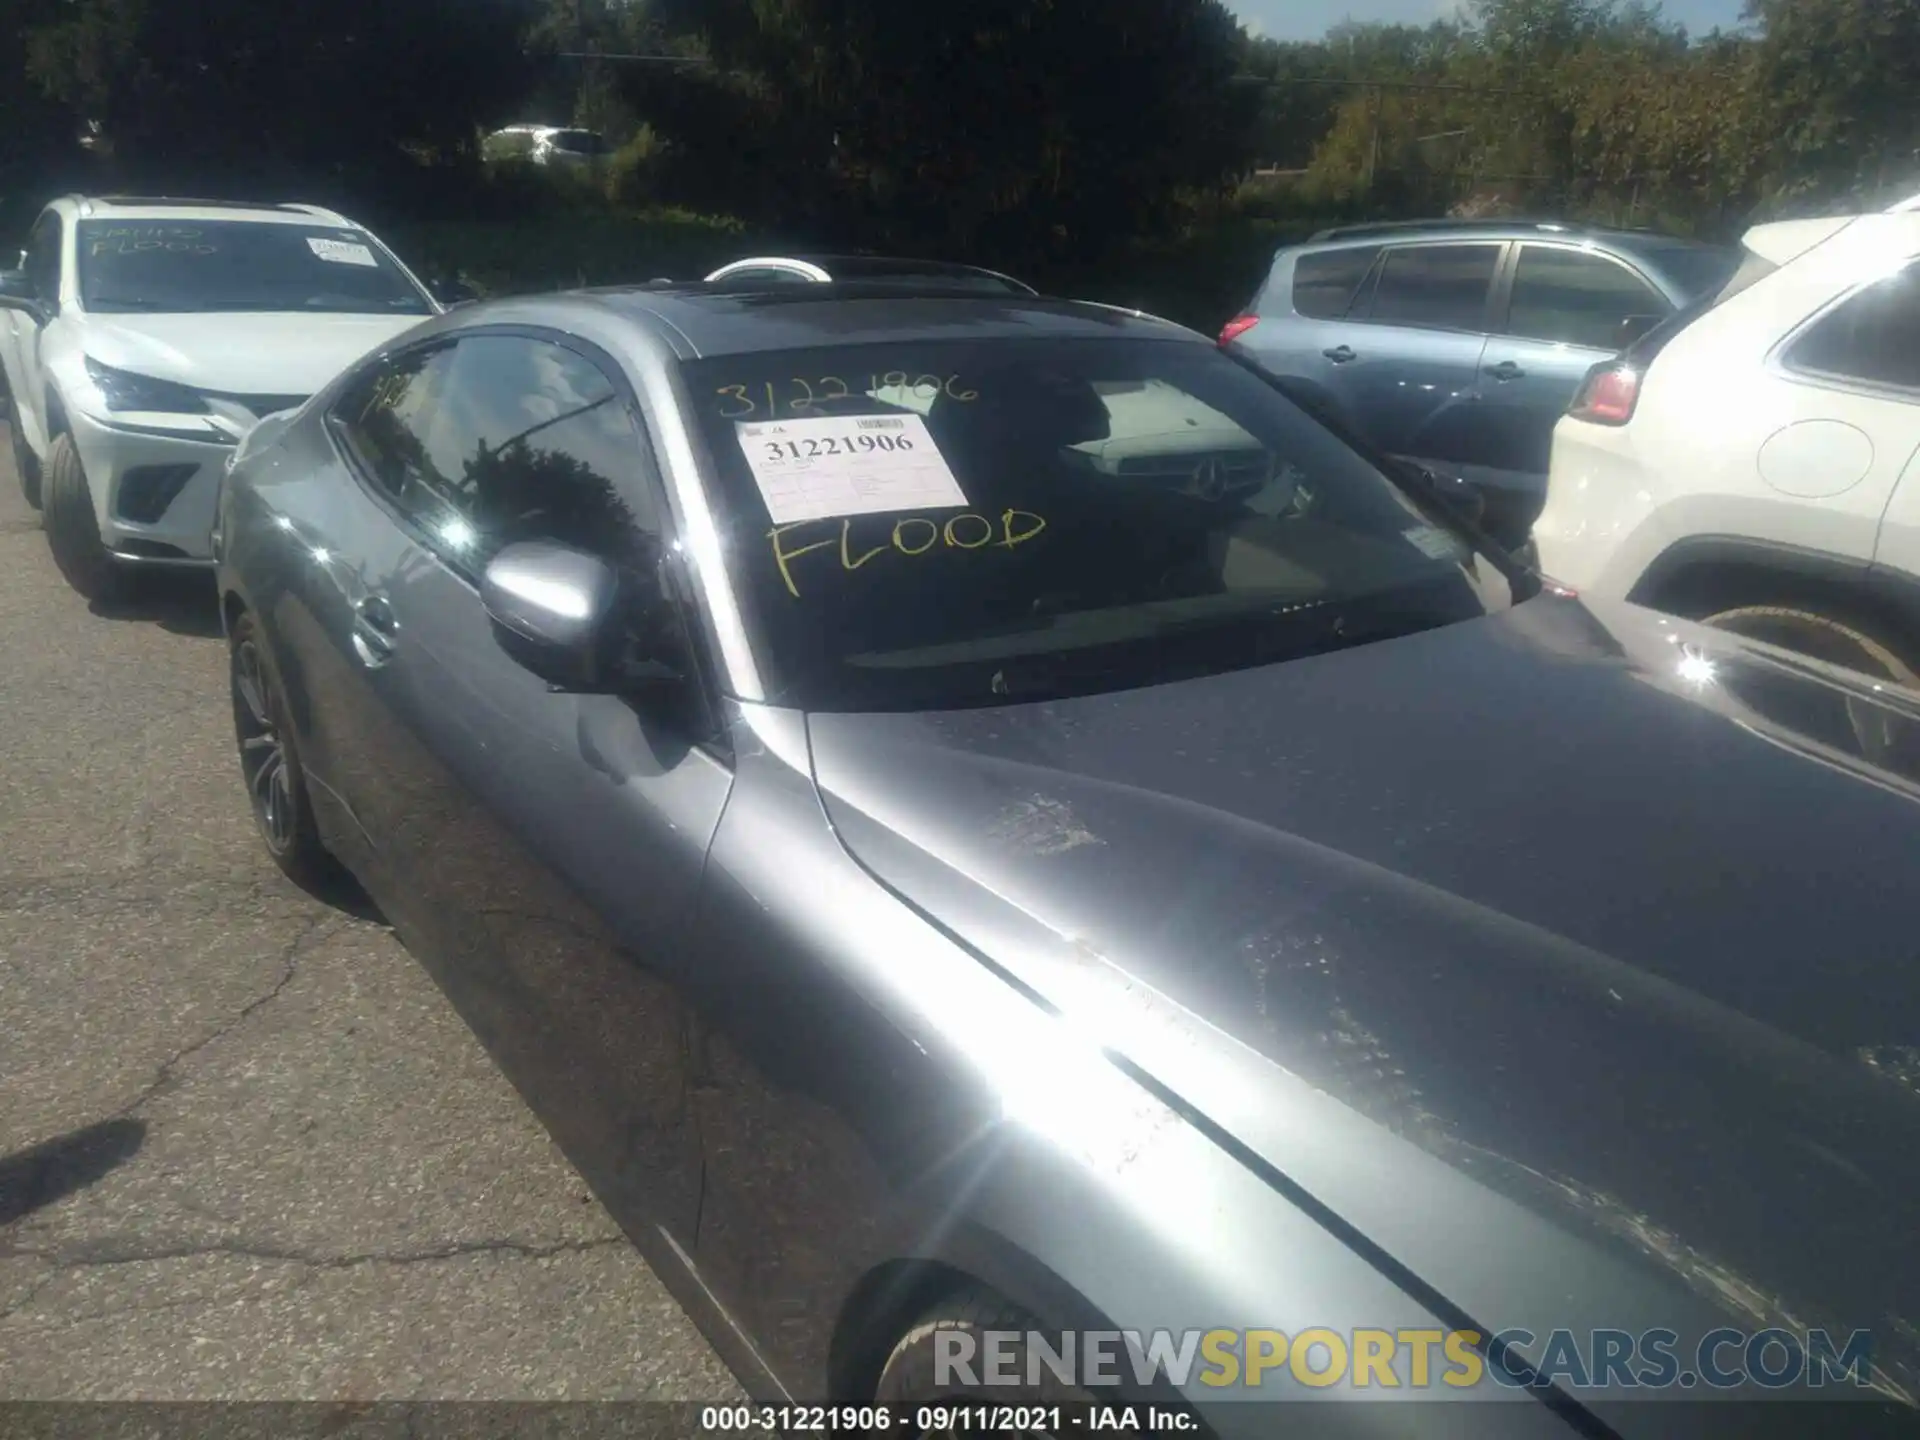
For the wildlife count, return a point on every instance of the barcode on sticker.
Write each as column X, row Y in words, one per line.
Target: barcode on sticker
column 881, row 424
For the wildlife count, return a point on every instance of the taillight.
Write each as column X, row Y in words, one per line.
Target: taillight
column 1236, row 327
column 1608, row 395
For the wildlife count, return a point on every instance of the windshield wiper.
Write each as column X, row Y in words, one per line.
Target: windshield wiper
column 108, row 303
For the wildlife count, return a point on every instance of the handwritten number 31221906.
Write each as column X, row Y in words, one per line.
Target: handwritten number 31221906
column 740, row 401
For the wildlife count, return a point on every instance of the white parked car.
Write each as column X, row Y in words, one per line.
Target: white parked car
column 143, row 338
column 1755, row 462
column 559, row 146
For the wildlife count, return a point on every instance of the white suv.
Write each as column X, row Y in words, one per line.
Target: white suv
column 1755, row 462
column 143, row 338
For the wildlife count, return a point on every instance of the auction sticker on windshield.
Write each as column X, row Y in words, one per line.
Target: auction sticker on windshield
column 828, row 467
column 341, row 252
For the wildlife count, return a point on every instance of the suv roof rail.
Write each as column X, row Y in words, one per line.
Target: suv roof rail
column 198, row 203
column 863, row 266
column 1398, row 227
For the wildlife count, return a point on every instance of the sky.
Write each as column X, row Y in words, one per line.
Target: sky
column 1310, row 19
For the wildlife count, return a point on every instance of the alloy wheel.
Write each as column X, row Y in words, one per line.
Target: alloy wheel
column 263, row 756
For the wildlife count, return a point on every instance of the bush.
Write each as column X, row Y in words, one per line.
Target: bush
column 561, row 250
column 630, row 176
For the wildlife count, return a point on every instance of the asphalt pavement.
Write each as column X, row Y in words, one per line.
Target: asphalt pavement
column 247, row 1150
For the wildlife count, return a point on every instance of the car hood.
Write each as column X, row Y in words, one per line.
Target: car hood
column 241, row 354
column 1571, row 957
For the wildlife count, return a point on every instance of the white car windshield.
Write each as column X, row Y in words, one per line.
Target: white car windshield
column 197, row 266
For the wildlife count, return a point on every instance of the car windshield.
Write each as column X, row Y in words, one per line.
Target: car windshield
column 937, row 525
column 205, row 265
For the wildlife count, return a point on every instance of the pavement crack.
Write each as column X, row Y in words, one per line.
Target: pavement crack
column 106, row 1254
column 101, row 1255
column 317, row 928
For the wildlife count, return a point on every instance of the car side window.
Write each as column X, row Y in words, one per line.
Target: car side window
column 43, row 258
column 512, row 438
column 1873, row 336
column 1435, row 287
column 1325, row 283
column 385, row 419
column 1571, row 297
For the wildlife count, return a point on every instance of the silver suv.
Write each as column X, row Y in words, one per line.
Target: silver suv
column 1459, row 343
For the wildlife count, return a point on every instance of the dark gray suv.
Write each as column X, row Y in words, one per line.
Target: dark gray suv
column 1460, row 343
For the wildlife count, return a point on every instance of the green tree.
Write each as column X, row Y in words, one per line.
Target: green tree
column 1011, row 126
column 1843, row 81
column 232, row 90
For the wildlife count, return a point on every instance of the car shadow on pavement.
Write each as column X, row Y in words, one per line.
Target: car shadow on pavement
column 182, row 604
column 36, row 1177
column 340, row 891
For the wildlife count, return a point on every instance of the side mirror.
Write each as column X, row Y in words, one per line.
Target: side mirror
column 1634, row 327
column 550, row 605
column 17, row 293
column 452, row 292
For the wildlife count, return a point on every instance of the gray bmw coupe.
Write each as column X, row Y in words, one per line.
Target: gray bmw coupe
column 1022, row 866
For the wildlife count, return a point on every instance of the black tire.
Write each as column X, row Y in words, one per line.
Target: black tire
column 270, row 762
column 1824, row 632
column 911, row 1377
column 26, row 465
column 73, row 534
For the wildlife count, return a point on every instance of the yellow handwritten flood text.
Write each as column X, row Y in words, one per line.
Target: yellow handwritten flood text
column 914, row 535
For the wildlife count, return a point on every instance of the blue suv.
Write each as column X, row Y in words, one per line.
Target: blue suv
column 1459, row 344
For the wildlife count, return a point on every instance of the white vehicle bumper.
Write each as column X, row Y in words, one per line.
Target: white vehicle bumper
column 154, row 493
column 1601, row 527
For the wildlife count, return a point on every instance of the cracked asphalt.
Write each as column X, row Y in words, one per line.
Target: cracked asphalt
column 247, row 1150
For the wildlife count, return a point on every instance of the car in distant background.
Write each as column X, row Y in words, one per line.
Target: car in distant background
column 1755, row 462
column 1459, row 343
column 551, row 145
column 142, row 338
column 866, row 269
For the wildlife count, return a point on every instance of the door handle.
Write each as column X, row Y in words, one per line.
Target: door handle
column 1340, row 354
column 375, row 630
column 1505, row 370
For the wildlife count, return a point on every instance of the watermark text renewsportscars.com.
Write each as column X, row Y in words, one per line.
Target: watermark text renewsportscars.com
column 1422, row 1360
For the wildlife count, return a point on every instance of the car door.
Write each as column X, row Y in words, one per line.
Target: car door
column 549, row 845
column 42, row 262
column 1405, row 368
column 1561, row 310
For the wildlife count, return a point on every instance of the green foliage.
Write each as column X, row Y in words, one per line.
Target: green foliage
column 1842, row 81
column 549, row 250
column 1035, row 127
column 232, row 91
column 631, row 176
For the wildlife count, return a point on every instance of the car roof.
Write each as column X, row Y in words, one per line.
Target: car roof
column 715, row 321
column 158, row 207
